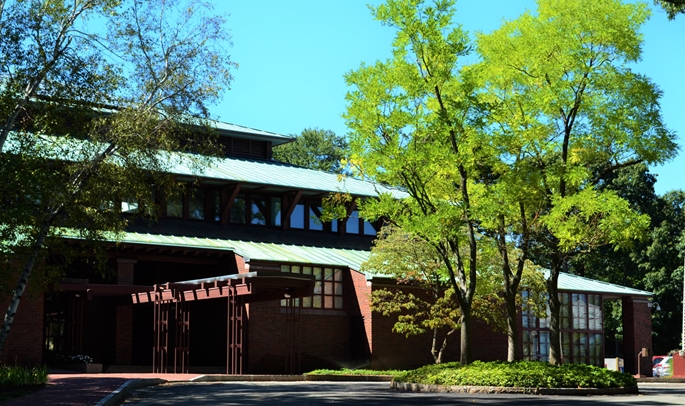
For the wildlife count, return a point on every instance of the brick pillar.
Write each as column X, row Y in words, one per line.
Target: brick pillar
column 637, row 334
column 124, row 315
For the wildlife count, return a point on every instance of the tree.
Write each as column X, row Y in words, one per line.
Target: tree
column 88, row 117
column 672, row 7
column 653, row 263
column 565, row 112
column 428, row 305
column 412, row 126
column 315, row 149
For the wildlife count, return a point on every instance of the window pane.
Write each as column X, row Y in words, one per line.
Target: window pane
column 317, row 288
column 328, row 274
column 297, row 218
column 544, row 346
column 275, row 211
column 334, row 226
column 258, row 210
column 565, row 312
column 307, row 270
column 238, row 210
column 328, row 288
column 368, row 228
column 526, row 345
column 129, row 205
column 565, row 347
column 338, row 302
column 196, row 204
column 174, row 204
column 295, row 269
column 216, row 204
column 338, row 275
column 328, row 302
column 314, row 218
column 352, row 224
column 306, row 302
column 579, row 311
column 316, row 301
column 285, row 268
column 317, row 273
column 338, row 288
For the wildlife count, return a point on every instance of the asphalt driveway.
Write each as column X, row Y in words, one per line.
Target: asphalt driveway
column 372, row 393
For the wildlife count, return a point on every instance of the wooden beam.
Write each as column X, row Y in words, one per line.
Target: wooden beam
column 228, row 195
column 289, row 208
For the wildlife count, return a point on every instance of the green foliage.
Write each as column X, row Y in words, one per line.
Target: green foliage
column 315, row 149
column 361, row 372
column 524, row 374
column 89, row 113
column 672, row 7
column 653, row 263
column 20, row 376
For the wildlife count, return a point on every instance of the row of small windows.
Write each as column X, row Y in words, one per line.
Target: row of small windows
column 255, row 209
column 328, row 287
column 581, row 325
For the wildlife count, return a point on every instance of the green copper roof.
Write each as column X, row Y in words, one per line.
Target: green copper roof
column 276, row 174
column 234, row 130
column 257, row 251
column 580, row 284
column 284, row 253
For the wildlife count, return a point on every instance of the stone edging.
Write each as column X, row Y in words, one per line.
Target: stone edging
column 418, row 387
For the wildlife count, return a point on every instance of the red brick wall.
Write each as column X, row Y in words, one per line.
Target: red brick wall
column 362, row 293
column 125, row 269
column 637, row 334
column 24, row 345
column 324, row 338
column 392, row 350
column 124, row 315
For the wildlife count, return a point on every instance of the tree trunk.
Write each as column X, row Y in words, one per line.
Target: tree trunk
column 465, row 354
column 21, row 286
column 513, row 349
column 555, row 354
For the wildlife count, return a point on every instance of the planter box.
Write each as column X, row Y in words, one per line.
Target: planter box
column 83, row 368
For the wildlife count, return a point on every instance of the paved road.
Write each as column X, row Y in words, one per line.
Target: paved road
column 372, row 394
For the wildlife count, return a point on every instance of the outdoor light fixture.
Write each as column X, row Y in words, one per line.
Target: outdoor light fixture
column 655, row 306
column 287, row 294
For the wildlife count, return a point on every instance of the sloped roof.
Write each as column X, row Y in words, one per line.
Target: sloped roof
column 351, row 258
column 275, row 173
column 234, row 130
column 578, row 283
column 261, row 251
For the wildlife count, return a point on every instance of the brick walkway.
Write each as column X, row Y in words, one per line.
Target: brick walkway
column 85, row 389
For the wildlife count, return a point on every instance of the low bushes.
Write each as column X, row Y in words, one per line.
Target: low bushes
column 526, row 374
column 19, row 376
column 346, row 371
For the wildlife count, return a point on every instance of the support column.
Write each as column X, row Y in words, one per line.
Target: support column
column 124, row 315
column 637, row 334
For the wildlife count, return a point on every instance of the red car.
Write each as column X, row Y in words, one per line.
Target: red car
column 661, row 366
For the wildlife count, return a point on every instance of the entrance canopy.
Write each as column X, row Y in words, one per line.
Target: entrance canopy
column 252, row 286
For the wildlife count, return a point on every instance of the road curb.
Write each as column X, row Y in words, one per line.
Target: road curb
column 126, row 388
column 418, row 387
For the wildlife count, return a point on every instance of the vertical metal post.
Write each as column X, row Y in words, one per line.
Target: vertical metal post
column 182, row 344
column 234, row 332
column 160, row 355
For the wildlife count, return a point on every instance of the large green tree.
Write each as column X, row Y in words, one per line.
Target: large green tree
column 565, row 111
column 316, row 149
column 654, row 263
column 412, row 125
column 88, row 114
column 672, row 7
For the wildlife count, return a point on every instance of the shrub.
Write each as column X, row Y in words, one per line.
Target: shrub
column 20, row 376
column 530, row 374
column 345, row 371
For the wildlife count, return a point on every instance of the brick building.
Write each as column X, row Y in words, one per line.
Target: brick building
column 241, row 275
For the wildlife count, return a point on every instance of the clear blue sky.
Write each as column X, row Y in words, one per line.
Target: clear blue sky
column 293, row 55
